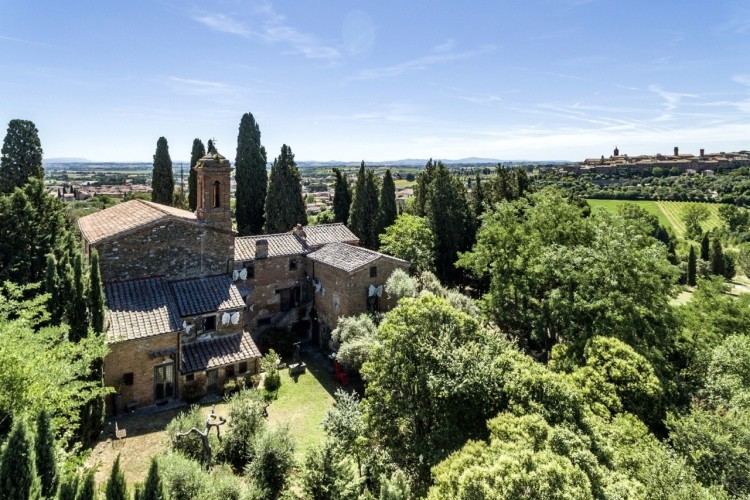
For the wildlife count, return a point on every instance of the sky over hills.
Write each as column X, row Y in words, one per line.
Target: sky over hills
column 342, row 80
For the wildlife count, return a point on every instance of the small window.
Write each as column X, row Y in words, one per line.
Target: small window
column 263, row 321
column 127, row 378
column 250, row 267
column 190, row 377
column 209, row 323
column 373, row 271
column 292, row 264
column 243, row 367
column 229, row 371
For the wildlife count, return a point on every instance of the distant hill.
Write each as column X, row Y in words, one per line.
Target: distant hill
column 66, row 160
column 415, row 162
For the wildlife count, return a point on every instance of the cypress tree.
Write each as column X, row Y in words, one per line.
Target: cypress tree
column 96, row 295
column 717, row 258
column 152, row 488
column 285, row 207
column 388, row 209
column 21, row 155
column 478, row 197
column 77, row 312
column 87, row 488
column 18, row 477
column 705, row 248
column 364, row 214
column 116, row 488
column 422, row 186
column 198, row 152
column 68, row 488
column 691, row 267
column 448, row 211
column 252, row 178
column 522, row 182
column 46, row 463
column 52, row 286
column 342, row 197
column 162, row 180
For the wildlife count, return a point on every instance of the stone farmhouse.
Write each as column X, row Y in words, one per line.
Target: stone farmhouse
column 188, row 299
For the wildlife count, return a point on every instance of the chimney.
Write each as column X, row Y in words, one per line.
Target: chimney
column 676, row 151
column 299, row 232
column 703, row 151
column 261, row 249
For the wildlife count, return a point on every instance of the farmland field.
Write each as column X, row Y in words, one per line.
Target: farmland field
column 669, row 213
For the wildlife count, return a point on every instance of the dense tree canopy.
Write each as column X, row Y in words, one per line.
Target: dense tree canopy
column 252, row 179
column 21, row 155
column 364, row 212
column 410, row 238
column 285, row 207
column 162, row 178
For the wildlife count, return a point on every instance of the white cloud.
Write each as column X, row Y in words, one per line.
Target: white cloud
column 223, row 23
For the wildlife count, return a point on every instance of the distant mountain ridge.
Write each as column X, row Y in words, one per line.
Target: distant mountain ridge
column 66, row 160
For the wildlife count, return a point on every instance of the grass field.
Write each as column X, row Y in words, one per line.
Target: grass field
column 669, row 213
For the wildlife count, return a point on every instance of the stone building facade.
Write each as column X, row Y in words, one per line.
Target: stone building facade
column 187, row 299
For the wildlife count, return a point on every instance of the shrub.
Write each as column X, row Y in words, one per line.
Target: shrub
column 246, row 417
column 224, row 485
column 191, row 445
column 193, row 391
column 327, row 474
column 272, row 379
column 280, row 340
column 274, row 459
column 232, row 384
column 183, row 478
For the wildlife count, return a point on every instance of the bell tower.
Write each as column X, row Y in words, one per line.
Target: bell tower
column 213, row 180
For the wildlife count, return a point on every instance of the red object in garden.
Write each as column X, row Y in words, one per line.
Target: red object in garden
column 340, row 374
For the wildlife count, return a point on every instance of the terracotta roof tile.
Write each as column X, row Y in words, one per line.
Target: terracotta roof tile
column 329, row 233
column 202, row 295
column 127, row 216
column 219, row 351
column 348, row 257
column 278, row 245
column 140, row 308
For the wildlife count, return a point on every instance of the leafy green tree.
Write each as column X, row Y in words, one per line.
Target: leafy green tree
column 400, row 284
column 388, row 210
column 18, row 475
column 198, row 152
column 718, row 267
column 691, row 267
column 735, row 218
column 363, row 215
column 273, row 460
column 246, row 410
column 410, row 238
column 183, row 478
column 447, row 209
column 153, row 489
column 162, row 178
column 726, row 382
column 252, row 178
column 32, row 225
column 96, row 294
column 693, row 216
column 345, row 425
column 414, row 408
column 21, row 156
column 395, row 488
column 342, row 197
column 284, row 205
column 117, row 488
column 327, row 474
column 356, row 337
column 46, row 460
column 705, row 247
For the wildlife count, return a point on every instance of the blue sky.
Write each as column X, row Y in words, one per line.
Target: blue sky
column 351, row 80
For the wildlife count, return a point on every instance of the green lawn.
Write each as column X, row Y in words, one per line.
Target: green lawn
column 301, row 405
column 669, row 213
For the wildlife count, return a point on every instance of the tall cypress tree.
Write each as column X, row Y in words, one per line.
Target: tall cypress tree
column 96, row 295
column 478, row 196
column 447, row 209
column 198, row 152
column 152, row 488
column 18, row 477
column 388, row 209
column 162, row 180
column 285, row 207
column 77, row 312
column 705, row 245
column 717, row 258
column 691, row 267
column 87, row 487
column 342, row 197
column 364, row 213
column 68, row 488
column 422, row 186
column 252, row 178
column 116, row 488
column 46, row 463
column 21, row 156
column 52, row 286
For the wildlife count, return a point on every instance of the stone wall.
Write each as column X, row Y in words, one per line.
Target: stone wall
column 270, row 275
column 171, row 249
column 345, row 294
column 132, row 356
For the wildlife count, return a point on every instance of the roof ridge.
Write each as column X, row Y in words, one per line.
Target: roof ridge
column 162, row 208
